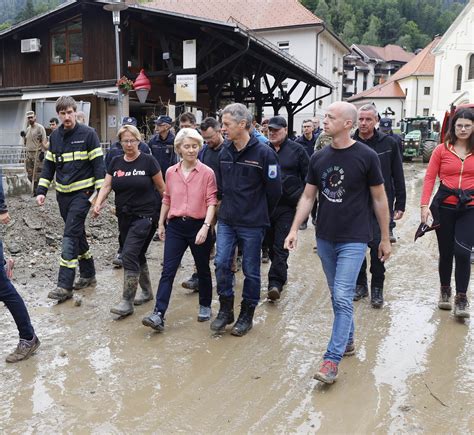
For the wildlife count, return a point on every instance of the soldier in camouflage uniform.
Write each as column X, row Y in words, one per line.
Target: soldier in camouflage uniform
column 36, row 144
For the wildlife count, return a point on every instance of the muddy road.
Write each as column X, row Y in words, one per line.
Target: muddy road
column 413, row 370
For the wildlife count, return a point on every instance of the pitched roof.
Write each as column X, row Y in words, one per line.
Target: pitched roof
column 389, row 53
column 421, row 65
column 254, row 14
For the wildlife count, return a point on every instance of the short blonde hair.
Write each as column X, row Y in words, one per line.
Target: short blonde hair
column 190, row 133
column 131, row 129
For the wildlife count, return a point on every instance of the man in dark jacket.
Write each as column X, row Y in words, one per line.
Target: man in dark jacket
column 249, row 187
column 162, row 144
column 294, row 167
column 75, row 160
column 308, row 138
column 394, row 182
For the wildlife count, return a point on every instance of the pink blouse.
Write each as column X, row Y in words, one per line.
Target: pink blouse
column 192, row 195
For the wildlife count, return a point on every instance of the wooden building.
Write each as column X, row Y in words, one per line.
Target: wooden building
column 71, row 51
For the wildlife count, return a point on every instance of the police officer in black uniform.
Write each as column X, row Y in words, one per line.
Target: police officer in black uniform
column 294, row 167
column 76, row 158
column 162, row 143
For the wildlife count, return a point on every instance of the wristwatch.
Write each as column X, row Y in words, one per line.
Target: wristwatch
column 207, row 225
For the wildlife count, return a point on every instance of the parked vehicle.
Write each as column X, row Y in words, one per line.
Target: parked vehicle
column 420, row 136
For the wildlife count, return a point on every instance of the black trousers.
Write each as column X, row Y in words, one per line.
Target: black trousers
column 455, row 240
column 280, row 222
column 74, row 208
column 136, row 234
column 377, row 268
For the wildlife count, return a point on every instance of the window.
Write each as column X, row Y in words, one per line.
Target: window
column 364, row 83
column 426, row 112
column 284, row 46
column 470, row 73
column 406, row 92
column 67, row 51
column 458, row 78
column 427, row 90
column 321, row 54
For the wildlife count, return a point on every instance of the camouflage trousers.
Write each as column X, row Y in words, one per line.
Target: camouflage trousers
column 30, row 159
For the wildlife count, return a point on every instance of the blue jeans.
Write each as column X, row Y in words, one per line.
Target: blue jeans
column 250, row 240
column 13, row 301
column 341, row 263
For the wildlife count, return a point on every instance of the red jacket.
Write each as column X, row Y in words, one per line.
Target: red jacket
column 453, row 172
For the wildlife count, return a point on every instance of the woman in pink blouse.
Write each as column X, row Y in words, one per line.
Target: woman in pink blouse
column 189, row 205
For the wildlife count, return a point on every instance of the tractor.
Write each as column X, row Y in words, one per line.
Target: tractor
column 420, row 137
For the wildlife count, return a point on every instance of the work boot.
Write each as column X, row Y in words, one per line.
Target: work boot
column 393, row 239
column 327, row 372
column 361, row 291
column 155, row 321
column 146, row 294
column 24, row 350
column 460, row 306
column 117, row 261
column 130, row 285
column 245, row 321
column 83, row 283
column 376, row 297
column 225, row 316
column 60, row 294
column 265, row 255
column 444, row 302
column 192, row 283
column 205, row 313
column 273, row 293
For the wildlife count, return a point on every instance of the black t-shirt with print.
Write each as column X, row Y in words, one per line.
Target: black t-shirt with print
column 343, row 177
column 133, row 185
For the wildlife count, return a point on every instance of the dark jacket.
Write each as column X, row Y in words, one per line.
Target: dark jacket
column 210, row 156
column 117, row 150
column 308, row 145
column 294, row 167
column 163, row 151
column 249, row 184
column 391, row 165
column 75, row 156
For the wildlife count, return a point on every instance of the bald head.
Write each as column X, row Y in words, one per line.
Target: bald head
column 347, row 111
column 339, row 120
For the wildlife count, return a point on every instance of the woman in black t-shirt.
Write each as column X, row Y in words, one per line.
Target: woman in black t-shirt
column 134, row 177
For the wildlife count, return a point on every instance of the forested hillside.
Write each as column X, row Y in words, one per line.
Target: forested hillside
column 13, row 11
column 409, row 23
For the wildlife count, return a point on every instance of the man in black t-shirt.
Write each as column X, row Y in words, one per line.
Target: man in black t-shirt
column 348, row 179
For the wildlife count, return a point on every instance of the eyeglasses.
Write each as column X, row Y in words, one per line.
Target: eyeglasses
column 466, row 127
column 129, row 141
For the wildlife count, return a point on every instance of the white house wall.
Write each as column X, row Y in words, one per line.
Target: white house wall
column 454, row 50
column 416, row 102
column 302, row 45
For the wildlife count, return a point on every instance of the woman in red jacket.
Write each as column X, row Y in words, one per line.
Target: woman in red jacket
column 452, row 208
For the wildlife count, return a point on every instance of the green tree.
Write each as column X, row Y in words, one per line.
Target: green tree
column 416, row 38
column 5, row 25
column 349, row 35
column 322, row 11
column 371, row 37
column 27, row 12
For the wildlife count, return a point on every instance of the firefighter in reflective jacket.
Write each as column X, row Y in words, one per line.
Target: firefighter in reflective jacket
column 75, row 156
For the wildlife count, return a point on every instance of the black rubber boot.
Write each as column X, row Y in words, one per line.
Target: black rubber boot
column 130, row 285
column 376, row 297
column 145, row 284
column 245, row 321
column 361, row 291
column 225, row 316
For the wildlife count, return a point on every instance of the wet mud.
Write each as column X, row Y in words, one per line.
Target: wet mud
column 413, row 371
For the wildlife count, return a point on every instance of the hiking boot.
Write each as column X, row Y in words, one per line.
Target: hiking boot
column 205, row 313
column 9, row 264
column 350, row 349
column 460, row 306
column 376, row 297
column 444, row 302
column 361, row 291
column 192, row 283
column 225, row 316
column 130, row 285
column 393, row 239
column 83, row 283
column 146, row 294
column 245, row 321
column 155, row 321
column 303, row 226
column 327, row 372
column 24, row 350
column 265, row 257
column 117, row 261
column 273, row 293
column 60, row 294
